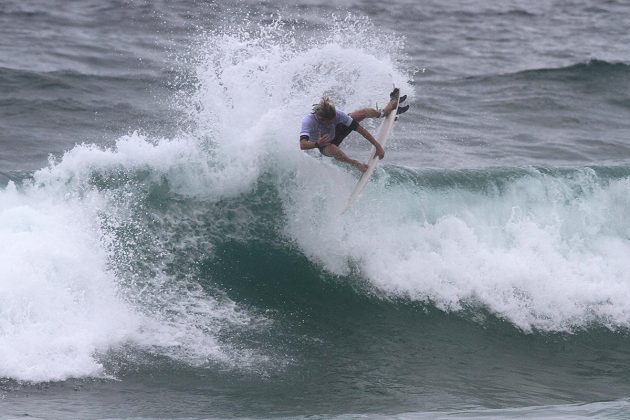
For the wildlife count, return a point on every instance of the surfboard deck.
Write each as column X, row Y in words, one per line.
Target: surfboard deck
column 382, row 136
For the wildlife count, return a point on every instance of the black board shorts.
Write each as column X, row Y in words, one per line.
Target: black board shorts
column 341, row 132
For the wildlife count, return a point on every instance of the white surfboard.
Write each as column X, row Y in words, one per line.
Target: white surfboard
column 381, row 136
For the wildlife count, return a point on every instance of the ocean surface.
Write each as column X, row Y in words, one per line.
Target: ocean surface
column 167, row 251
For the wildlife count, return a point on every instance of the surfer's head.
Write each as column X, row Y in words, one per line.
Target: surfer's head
column 325, row 109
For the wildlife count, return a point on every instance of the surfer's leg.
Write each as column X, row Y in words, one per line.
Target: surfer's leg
column 391, row 105
column 394, row 96
column 333, row 151
column 363, row 113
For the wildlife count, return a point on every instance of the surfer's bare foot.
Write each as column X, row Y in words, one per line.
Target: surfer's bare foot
column 360, row 166
column 393, row 102
column 390, row 107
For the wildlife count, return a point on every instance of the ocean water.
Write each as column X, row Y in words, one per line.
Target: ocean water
column 167, row 251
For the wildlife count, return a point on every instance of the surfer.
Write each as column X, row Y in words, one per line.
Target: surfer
column 326, row 127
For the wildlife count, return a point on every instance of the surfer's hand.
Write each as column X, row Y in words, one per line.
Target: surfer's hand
column 323, row 140
column 380, row 152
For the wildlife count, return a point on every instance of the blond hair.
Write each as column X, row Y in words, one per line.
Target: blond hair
column 325, row 109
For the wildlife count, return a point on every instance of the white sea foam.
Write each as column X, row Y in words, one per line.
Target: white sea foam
column 537, row 254
column 63, row 306
column 58, row 303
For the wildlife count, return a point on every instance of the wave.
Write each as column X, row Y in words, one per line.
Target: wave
column 108, row 244
column 15, row 80
column 540, row 248
column 587, row 70
column 527, row 248
column 196, row 247
column 592, row 70
column 604, row 409
column 489, row 13
column 69, row 109
column 27, row 91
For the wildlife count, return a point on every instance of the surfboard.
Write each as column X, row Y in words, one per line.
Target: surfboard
column 382, row 136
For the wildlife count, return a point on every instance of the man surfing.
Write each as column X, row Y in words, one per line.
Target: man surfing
column 326, row 127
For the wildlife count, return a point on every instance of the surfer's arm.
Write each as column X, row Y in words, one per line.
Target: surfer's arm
column 305, row 144
column 379, row 150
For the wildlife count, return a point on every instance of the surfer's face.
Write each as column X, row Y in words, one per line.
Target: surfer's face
column 325, row 121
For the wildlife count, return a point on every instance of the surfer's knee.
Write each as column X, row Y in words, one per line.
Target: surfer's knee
column 331, row 150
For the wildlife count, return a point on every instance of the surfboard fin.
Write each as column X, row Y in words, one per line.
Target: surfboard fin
column 402, row 99
column 402, row 109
